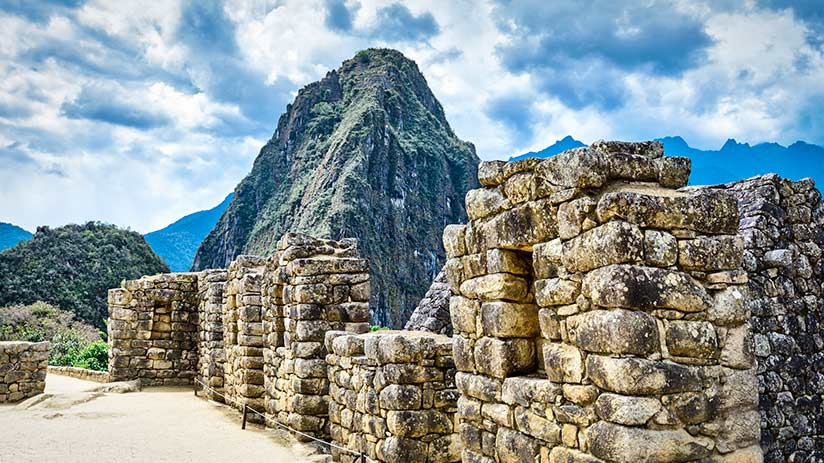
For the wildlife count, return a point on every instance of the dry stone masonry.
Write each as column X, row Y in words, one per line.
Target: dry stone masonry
column 600, row 314
column 22, row 369
column 782, row 223
column 153, row 330
column 211, row 351
column 325, row 287
column 392, row 396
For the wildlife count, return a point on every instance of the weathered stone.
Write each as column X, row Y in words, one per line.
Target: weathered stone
column 505, row 261
column 572, row 214
column 484, row 202
column 660, row 248
column 500, row 358
column 454, row 240
column 631, row 411
column 728, row 307
column 737, row 349
column 692, row 339
column 479, row 387
column 546, row 258
column 563, row 363
column 463, row 312
column 417, row 423
column 708, row 211
column 514, row 447
column 537, row 426
column 566, row 455
column 711, row 253
column 615, row 331
column 509, row 319
column 529, row 390
column 689, row 407
column 496, row 286
column 623, row 444
column 611, row 243
column 634, row 376
column 556, row 291
column 520, row 227
column 644, row 287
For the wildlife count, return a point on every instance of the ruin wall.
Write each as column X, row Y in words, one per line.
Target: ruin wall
column 22, row 369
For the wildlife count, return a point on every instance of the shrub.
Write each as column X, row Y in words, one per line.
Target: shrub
column 94, row 357
column 66, row 346
column 40, row 322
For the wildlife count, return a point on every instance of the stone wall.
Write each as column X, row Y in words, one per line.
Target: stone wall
column 22, row 369
column 600, row 314
column 80, row 373
column 782, row 223
column 211, row 352
column 432, row 313
column 153, row 330
column 392, row 396
column 243, row 333
column 325, row 286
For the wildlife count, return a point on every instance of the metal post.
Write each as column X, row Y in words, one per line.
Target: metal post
column 194, row 386
column 362, row 458
column 245, row 410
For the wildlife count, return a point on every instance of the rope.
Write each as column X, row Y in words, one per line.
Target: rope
column 362, row 457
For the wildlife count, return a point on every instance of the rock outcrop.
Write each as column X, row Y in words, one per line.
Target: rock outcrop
column 432, row 313
column 364, row 152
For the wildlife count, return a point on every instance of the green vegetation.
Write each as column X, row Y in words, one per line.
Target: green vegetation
column 74, row 266
column 73, row 343
column 374, row 328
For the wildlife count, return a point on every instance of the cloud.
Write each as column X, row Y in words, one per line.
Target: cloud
column 38, row 10
column 338, row 16
column 515, row 112
column 575, row 49
column 100, row 104
column 395, row 23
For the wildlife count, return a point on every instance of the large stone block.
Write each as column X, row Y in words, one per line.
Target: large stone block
column 556, row 291
column 509, row 319
column 632, row 286
column 417, row 423
column 711, row 253
column 635, row 376
column 400, row 397
column 660, row 248
column 479, row 387
column 496, row 286
column 614, row 242
column 691, row 339
column 483, row 202
column 563, row 363
column 454, row 240
column 622, row 444
column 529, row 390
column 627, row 410
column 573, row 214
column 616, row 331
column 501, row 358
column 708, row 211
column 514, row 447
column 520, row 227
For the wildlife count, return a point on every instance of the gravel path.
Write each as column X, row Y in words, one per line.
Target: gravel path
column 72, row 424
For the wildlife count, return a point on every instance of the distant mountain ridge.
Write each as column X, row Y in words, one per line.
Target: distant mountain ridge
column 11, row 234
column 367, row 153
column 177, row 243
column 734, row 161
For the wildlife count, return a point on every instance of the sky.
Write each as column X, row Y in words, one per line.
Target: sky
column 139, row 112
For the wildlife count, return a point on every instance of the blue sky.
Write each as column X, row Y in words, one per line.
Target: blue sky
column 136, row 113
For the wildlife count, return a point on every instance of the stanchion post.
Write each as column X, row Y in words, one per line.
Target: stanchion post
column 245, row 411
column 194, row 386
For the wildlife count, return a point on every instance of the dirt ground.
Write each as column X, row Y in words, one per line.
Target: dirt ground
column 71, row 424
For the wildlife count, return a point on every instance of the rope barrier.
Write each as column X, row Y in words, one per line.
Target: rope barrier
column 361, row 456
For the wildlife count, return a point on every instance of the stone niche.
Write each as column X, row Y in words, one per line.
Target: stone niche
column 153, row 330
column 23, row 367
column 392, row 396
column 599, row 313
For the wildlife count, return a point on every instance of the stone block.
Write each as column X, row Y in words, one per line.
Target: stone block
column 573, row 214
column 616, row 331
column 556, row 291
column 484, row 202
column 546, row 258
column 563, row 363
column 691, row 339
column 660, row 248
column 463, row 312
column 514, row 447
column 632, row 286
column 496, row 286
column 506, row 261
column 520, row 227
column 711, row 253
column 509, row 319
column 614, row 242
column 626, row 410
column 479, row 387
column 623, row 444
column 635, row 376
column 529, row 390
column 537, row 426
column 501, row 358
column 454, row 240
column 707, row 211
column 417, row 423
column 737, row 350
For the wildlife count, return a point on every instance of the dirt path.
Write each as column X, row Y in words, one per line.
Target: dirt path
column 72, row 424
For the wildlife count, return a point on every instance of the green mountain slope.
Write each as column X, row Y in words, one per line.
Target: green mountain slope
column 11, row 234
column 367, row 153
column 74, row 266
column 177, row 243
